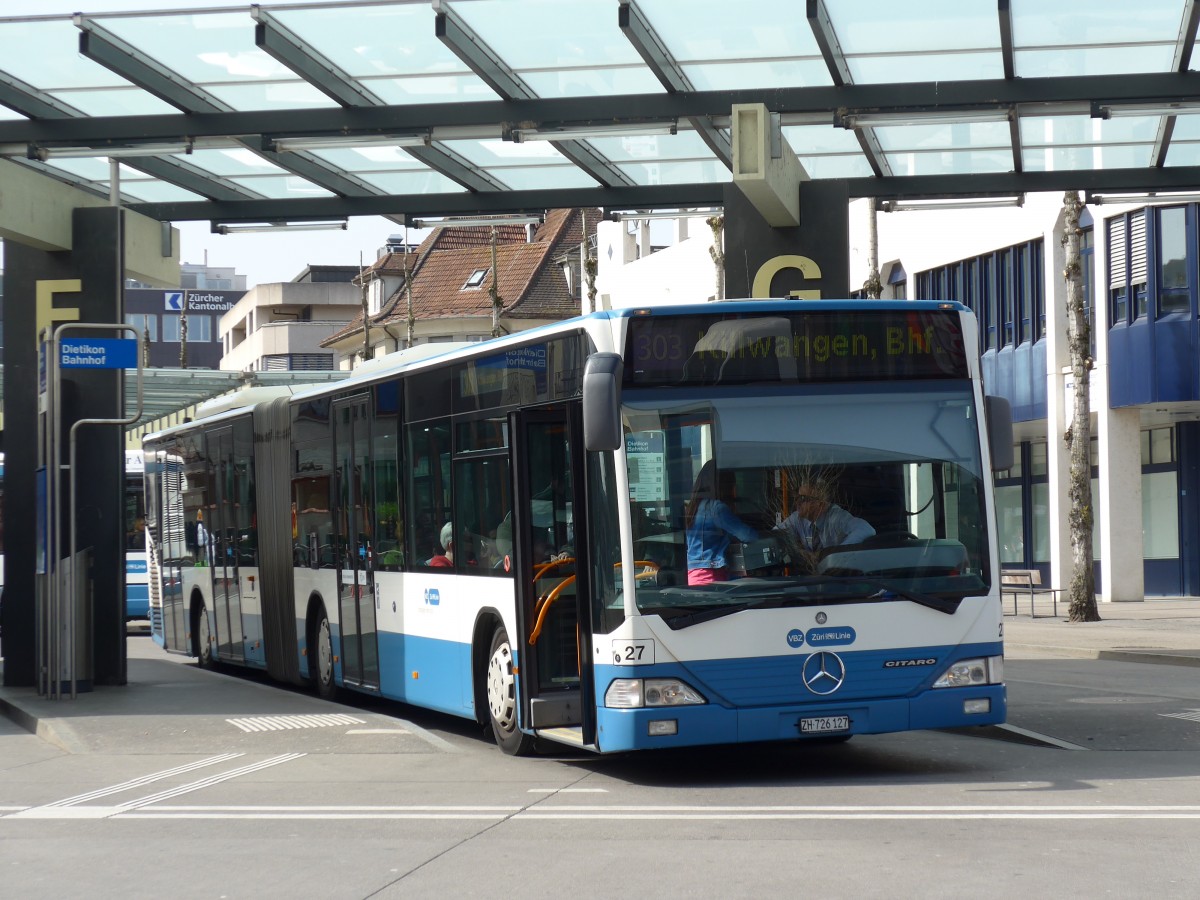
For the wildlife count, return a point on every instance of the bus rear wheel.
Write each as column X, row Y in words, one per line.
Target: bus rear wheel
column 502, row 697
column 203, row 632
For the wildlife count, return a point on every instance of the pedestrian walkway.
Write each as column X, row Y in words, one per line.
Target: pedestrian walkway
column 1153, row 631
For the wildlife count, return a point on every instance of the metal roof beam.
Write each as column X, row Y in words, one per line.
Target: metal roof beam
column 993, row 94
column 415, row 206
column 827, row 40
column 585, row 157
column 639, row 32
column 323, row 74
column 871, row 149
column 455, row 167
column 477, row 55
column 189, row 177
column 1184, row 42
column 105, row 48
column 31, row 101
column 1014, row 138
column 318, row 70
column 839, row 71
column 129, row 63
column 930, row 187
column 1004, row 14
column 677, row 196
column 487, row 64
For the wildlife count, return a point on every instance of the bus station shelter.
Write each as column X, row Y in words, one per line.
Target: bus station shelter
column 299, row 115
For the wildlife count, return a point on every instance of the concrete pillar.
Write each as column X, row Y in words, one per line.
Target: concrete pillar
column 1122, row 572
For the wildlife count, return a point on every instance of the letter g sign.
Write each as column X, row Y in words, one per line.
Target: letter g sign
column 772, row 267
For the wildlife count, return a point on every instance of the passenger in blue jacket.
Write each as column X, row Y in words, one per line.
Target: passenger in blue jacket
column 711, row 526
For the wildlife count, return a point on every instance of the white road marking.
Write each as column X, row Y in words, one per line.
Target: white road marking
column 1192, row 715
column 208, row 782
column 568, row 791
column 71, row 808
column 543, row 812
column 285, row 723
column 378, row 731
column 144, row 780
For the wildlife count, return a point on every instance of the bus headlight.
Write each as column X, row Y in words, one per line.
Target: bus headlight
column 973, row 672
column 635, row 693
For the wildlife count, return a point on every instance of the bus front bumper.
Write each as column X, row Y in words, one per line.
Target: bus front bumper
column 685, row 726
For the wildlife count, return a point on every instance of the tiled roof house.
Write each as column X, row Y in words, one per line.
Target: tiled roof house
column 537, row 276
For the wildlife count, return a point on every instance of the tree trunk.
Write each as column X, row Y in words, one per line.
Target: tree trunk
column 872, row 287
column 1082, row 591
column 183, row 311
column 494, row 290
column 364, row 291
column 412, row 315
column 717, row 252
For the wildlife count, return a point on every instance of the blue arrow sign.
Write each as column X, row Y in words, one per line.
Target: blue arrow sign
column 98, row 353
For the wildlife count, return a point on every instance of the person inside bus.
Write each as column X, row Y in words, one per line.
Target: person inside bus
column 444, row 559
column 711, row 525
column 817, row 522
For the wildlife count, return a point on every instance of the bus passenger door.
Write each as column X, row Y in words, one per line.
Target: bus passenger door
column 551, row 566
column 223, row 537
column 356, row 546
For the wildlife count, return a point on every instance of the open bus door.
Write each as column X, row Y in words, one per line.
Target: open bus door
column 555, row 675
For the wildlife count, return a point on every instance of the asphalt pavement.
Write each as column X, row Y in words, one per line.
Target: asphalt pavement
column 169, row 705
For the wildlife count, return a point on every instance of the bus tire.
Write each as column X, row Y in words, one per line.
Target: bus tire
column 203, row 636
column 501, row 687
column 322, row 664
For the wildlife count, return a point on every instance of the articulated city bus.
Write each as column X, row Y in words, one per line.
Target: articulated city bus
column 727, row 522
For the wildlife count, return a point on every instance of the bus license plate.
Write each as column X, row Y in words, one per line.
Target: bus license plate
column 824, row 724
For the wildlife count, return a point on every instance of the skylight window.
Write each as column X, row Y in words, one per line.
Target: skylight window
column 476, row 279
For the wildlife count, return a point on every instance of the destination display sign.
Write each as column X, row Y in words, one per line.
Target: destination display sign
column 795, row 347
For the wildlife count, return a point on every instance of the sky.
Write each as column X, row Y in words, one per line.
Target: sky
column 281, row 256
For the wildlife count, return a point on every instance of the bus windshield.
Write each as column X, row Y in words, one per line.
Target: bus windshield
column 782, row 497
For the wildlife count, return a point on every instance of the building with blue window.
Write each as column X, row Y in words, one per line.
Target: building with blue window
column 1140, row 287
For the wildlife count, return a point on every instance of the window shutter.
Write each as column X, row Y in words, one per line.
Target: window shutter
column 1116, row 252
column 1137, row 247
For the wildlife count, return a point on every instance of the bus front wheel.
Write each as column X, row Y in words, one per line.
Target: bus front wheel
column 323, row 653
column 502, row 697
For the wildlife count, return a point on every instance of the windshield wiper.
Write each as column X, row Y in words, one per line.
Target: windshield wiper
column 786, row 597
column 707, row 615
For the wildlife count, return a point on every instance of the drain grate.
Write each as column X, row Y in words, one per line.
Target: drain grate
column 287, row 723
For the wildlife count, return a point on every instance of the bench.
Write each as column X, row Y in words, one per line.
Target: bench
column 1015, row 582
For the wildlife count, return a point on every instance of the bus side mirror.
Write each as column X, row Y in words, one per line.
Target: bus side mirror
column 602, row 402
column 1000, row 432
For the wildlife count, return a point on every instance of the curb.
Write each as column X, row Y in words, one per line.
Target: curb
column 36, row 726
column 1156, row 657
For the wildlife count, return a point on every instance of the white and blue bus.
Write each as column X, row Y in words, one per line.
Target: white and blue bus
column 500, row 531
column 137, row 581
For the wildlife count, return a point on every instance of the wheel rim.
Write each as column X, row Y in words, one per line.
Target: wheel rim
column 502, row 688
column 324, row 653
column 205, row 638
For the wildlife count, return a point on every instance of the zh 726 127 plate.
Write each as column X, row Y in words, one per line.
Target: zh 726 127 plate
column 824, row 724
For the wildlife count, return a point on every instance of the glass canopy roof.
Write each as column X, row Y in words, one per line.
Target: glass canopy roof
column 302, row 111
